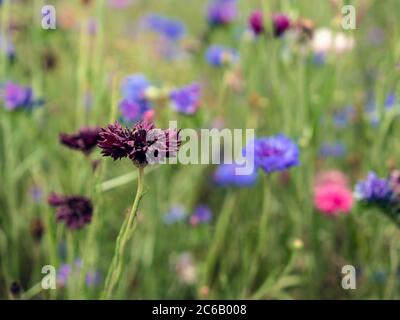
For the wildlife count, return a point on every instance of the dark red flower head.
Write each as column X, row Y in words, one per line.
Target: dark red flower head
column 281, row 23
column 76, row 211
column 143, row 144
column 256, row 22
column 85, row 140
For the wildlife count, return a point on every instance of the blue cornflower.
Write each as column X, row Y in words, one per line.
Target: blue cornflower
column 134, row 87
column 342, row 117
column 63, row 273
column 225, row 175
column 134, row 111
column 373, row 189
column 276, row 153
column 390, row 100
column 186, row 99
column 175, row 214
column 334, row 150
column 92, row 278
column 221, row 12
column 169, row 28
column 16, row 97
column 319, row 58
column 36, row 193
column 134, row 104
column 218, row 56
column 201, row 214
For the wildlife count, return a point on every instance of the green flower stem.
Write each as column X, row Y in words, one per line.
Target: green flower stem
column 219, row 237
column 262, row 230
column 114, row 272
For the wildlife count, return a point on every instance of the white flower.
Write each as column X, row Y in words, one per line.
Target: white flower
column 343, row 43
column 322, row 40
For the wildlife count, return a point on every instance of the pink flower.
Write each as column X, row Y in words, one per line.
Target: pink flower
column 331, row 177
column 331, row 194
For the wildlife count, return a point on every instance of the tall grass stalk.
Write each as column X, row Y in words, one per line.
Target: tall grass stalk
column 114, row 272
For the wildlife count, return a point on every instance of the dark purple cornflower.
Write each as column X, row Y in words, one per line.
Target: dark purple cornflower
column 16, row 289
column 276, row 153
column 85, row 140
column 75, row 211
column 221, row 12
column 280, row 23
column 37, row 229
column 186, row 99
column 225, row 175
column 116, row 142
column 143, row 144
column 373, row 189
column 256, row 22
column 201, row 214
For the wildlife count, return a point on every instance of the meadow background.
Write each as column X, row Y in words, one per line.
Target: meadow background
column 267, row 241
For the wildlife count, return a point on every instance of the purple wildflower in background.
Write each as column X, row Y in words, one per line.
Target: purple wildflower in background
column 281, row 23
column 319, row 58
column 256, row 22
column 221, row 12
column 170, row 28
column 225, row 175
column 85, row 140
column 276, row 153
column 186, row 99
column 36, row 193
column 201, row 214
column 75, row 211
column 134, row 86
column 63, row 273
column 17, row 97
column 175, row 214
column 334, row 150
column 143, row 144
column 92, row 278
column 119, row 4
column 343, row 117
column 134, row 104
column 134, row 111
column 390, row 100
column 373, row 189
column 218, row 56
column 7, row 48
